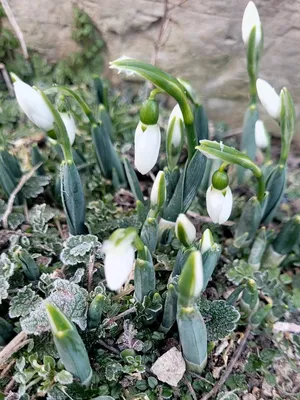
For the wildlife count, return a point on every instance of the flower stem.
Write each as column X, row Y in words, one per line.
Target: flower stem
column 261, row 188
column 191, row 139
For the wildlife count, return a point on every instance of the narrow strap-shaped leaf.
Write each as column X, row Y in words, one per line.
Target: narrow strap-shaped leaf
column 133, row 181
column 201, row 123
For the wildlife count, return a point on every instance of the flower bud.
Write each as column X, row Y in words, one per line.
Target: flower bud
column 149, row 112
column 70, row 125
column 175, row 136
column 119, row 257
column 185, row 230
column 219, row 204
column 207, row 241
column 33, row 105
column 158, row 192
column 147, row 143
column 261, row 135
column 190, row 282
column 250, row 20
column 269, row 98
column 220, row 180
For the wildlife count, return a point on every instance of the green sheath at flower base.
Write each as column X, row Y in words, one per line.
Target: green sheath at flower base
column 258, row 317
column 73, row 198
column 144, row 276
column 190, row 282
column 248, row 223
column 158, row 192
column 95, row 311
column 287, row 123
column 30, row 269
column 170, row 309
column 193, row 338
column 69, row 345
column 257, row 250
column 250, row 299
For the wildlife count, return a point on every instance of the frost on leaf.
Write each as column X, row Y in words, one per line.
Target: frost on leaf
column 127, row 340
column 79, row 273
column 220, row 318
column 77, row 249
column 39, row 216
column 35, row 186
column 4, row 285
column 7, row 267
column 69, row 298
column 24, row 302
column 227, row 396
column 239, row 271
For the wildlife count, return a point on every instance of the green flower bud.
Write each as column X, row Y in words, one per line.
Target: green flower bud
column 185, row 230
column 158, row 192
column 206, row 241
column 220, row 180
column 95, row 311
column 190, row 282
column 149, row 112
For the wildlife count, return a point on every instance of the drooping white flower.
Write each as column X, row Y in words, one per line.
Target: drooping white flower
column 158, row 192
column 147, row 144
column 269, row 98
column 70, row 125
column 219, row 204
column 250, row 20
column 119, row 257
column 33, row 105
column 261, row 136
column 185, row 231
column 206, row 241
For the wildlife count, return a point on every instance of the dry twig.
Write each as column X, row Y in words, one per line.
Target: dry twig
column 13, row 346
column 190, row 388
column 230, row 367
column 25, row 178
column 15, row 26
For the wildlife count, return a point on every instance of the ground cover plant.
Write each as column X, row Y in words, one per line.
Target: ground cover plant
column 155, row 265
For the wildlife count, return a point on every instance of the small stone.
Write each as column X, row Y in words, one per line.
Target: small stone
column 248, row 396
column 170, row 367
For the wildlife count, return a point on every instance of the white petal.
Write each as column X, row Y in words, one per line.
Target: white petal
column 226, row 207
column 118, row 267
column 155, row 188
column 251, row 19
column 261, row 137
column 189, row 228
column 33, row 105
column 214, row 203
column 147, row 145
column 70, row 125
column 198, row 273
column 206, row 241
column 269, row 98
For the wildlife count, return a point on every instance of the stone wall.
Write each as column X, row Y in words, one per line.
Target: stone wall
column 204, row 41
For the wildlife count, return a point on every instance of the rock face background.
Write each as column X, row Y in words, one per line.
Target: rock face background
column 204, row 43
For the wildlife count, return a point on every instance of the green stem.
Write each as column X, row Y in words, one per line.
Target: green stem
column 191, row 139
column 261, row 188
column 155, row 92
column 223, row 166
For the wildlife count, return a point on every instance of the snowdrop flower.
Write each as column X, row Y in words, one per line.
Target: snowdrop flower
column 207, row 241
column 147, row 144
column 185, row 230
column 175, row 136
column 190, row 282
column 33, row 105
column 261, row 136
column 119, row 257
column 250, row 20
column 269, row 98
column 219, row 204
column 158, row 192
column 70, row 125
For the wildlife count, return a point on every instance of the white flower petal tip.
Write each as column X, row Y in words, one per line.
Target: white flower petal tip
column 147, row 144
column 250, row 20
column 70, row 125
column 261, row 136
column 219, row 204
column 207, row 241
column 269, row 98
column 33, row 105
column 185, row 231
column 119, row 257
column 158, row 192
